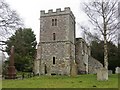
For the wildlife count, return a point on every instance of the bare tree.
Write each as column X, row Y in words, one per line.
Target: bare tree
column 103, row 15
column 9, row 22
column 88, row 36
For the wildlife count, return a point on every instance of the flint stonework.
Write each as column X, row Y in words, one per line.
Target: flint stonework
column 58, row 48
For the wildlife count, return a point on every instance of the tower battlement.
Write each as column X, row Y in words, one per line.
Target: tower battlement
column 58, row 11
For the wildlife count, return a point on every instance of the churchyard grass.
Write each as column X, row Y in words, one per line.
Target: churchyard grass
column 0, row 81
column 80, row 81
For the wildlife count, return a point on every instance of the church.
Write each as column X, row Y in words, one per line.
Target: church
column 59, row 49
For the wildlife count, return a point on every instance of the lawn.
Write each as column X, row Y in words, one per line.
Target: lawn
column 81, row 81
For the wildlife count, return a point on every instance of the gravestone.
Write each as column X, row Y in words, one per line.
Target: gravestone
column 102, row 74
column 73, row 69
column 117, row 70
column 11, row 73
column 110, row 72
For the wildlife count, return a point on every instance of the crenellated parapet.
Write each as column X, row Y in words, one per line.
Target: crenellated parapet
column 58, row 11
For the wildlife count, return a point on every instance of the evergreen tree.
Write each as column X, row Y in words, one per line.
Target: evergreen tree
column 24, row 42
column 97, row 51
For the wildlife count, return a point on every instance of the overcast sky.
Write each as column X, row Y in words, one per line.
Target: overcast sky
column 29, row 11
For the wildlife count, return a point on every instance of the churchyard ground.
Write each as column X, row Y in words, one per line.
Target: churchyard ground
column 0, row 81
column 80, row 81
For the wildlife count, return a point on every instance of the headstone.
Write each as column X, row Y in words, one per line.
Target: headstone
column 109, row 72
column 11, row 73
column 102, row 74
column 23, row 76
column 117, row 70
column 73, row 69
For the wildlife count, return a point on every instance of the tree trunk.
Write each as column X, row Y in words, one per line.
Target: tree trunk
column 105, row 38
column 105, row 53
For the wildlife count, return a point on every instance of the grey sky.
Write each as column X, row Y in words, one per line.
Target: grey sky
column 29, row 11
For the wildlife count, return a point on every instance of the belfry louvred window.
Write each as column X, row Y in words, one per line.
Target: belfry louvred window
column 54, row 22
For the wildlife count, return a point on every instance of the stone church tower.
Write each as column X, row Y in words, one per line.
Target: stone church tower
column 56, row 49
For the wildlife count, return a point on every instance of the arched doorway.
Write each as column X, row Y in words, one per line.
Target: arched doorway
column 45, row 69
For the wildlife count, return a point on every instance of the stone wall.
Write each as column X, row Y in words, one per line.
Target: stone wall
column 64, row 30
column 82, row 52
column 36, row 68
column 55, row 54
column 85, row 62
column 58, row 50
column 46, row 33
column 93, row 65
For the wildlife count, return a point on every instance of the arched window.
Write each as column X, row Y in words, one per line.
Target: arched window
column 52, row 22
column 55, row 22
column 54, row 37
column 53, row 60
